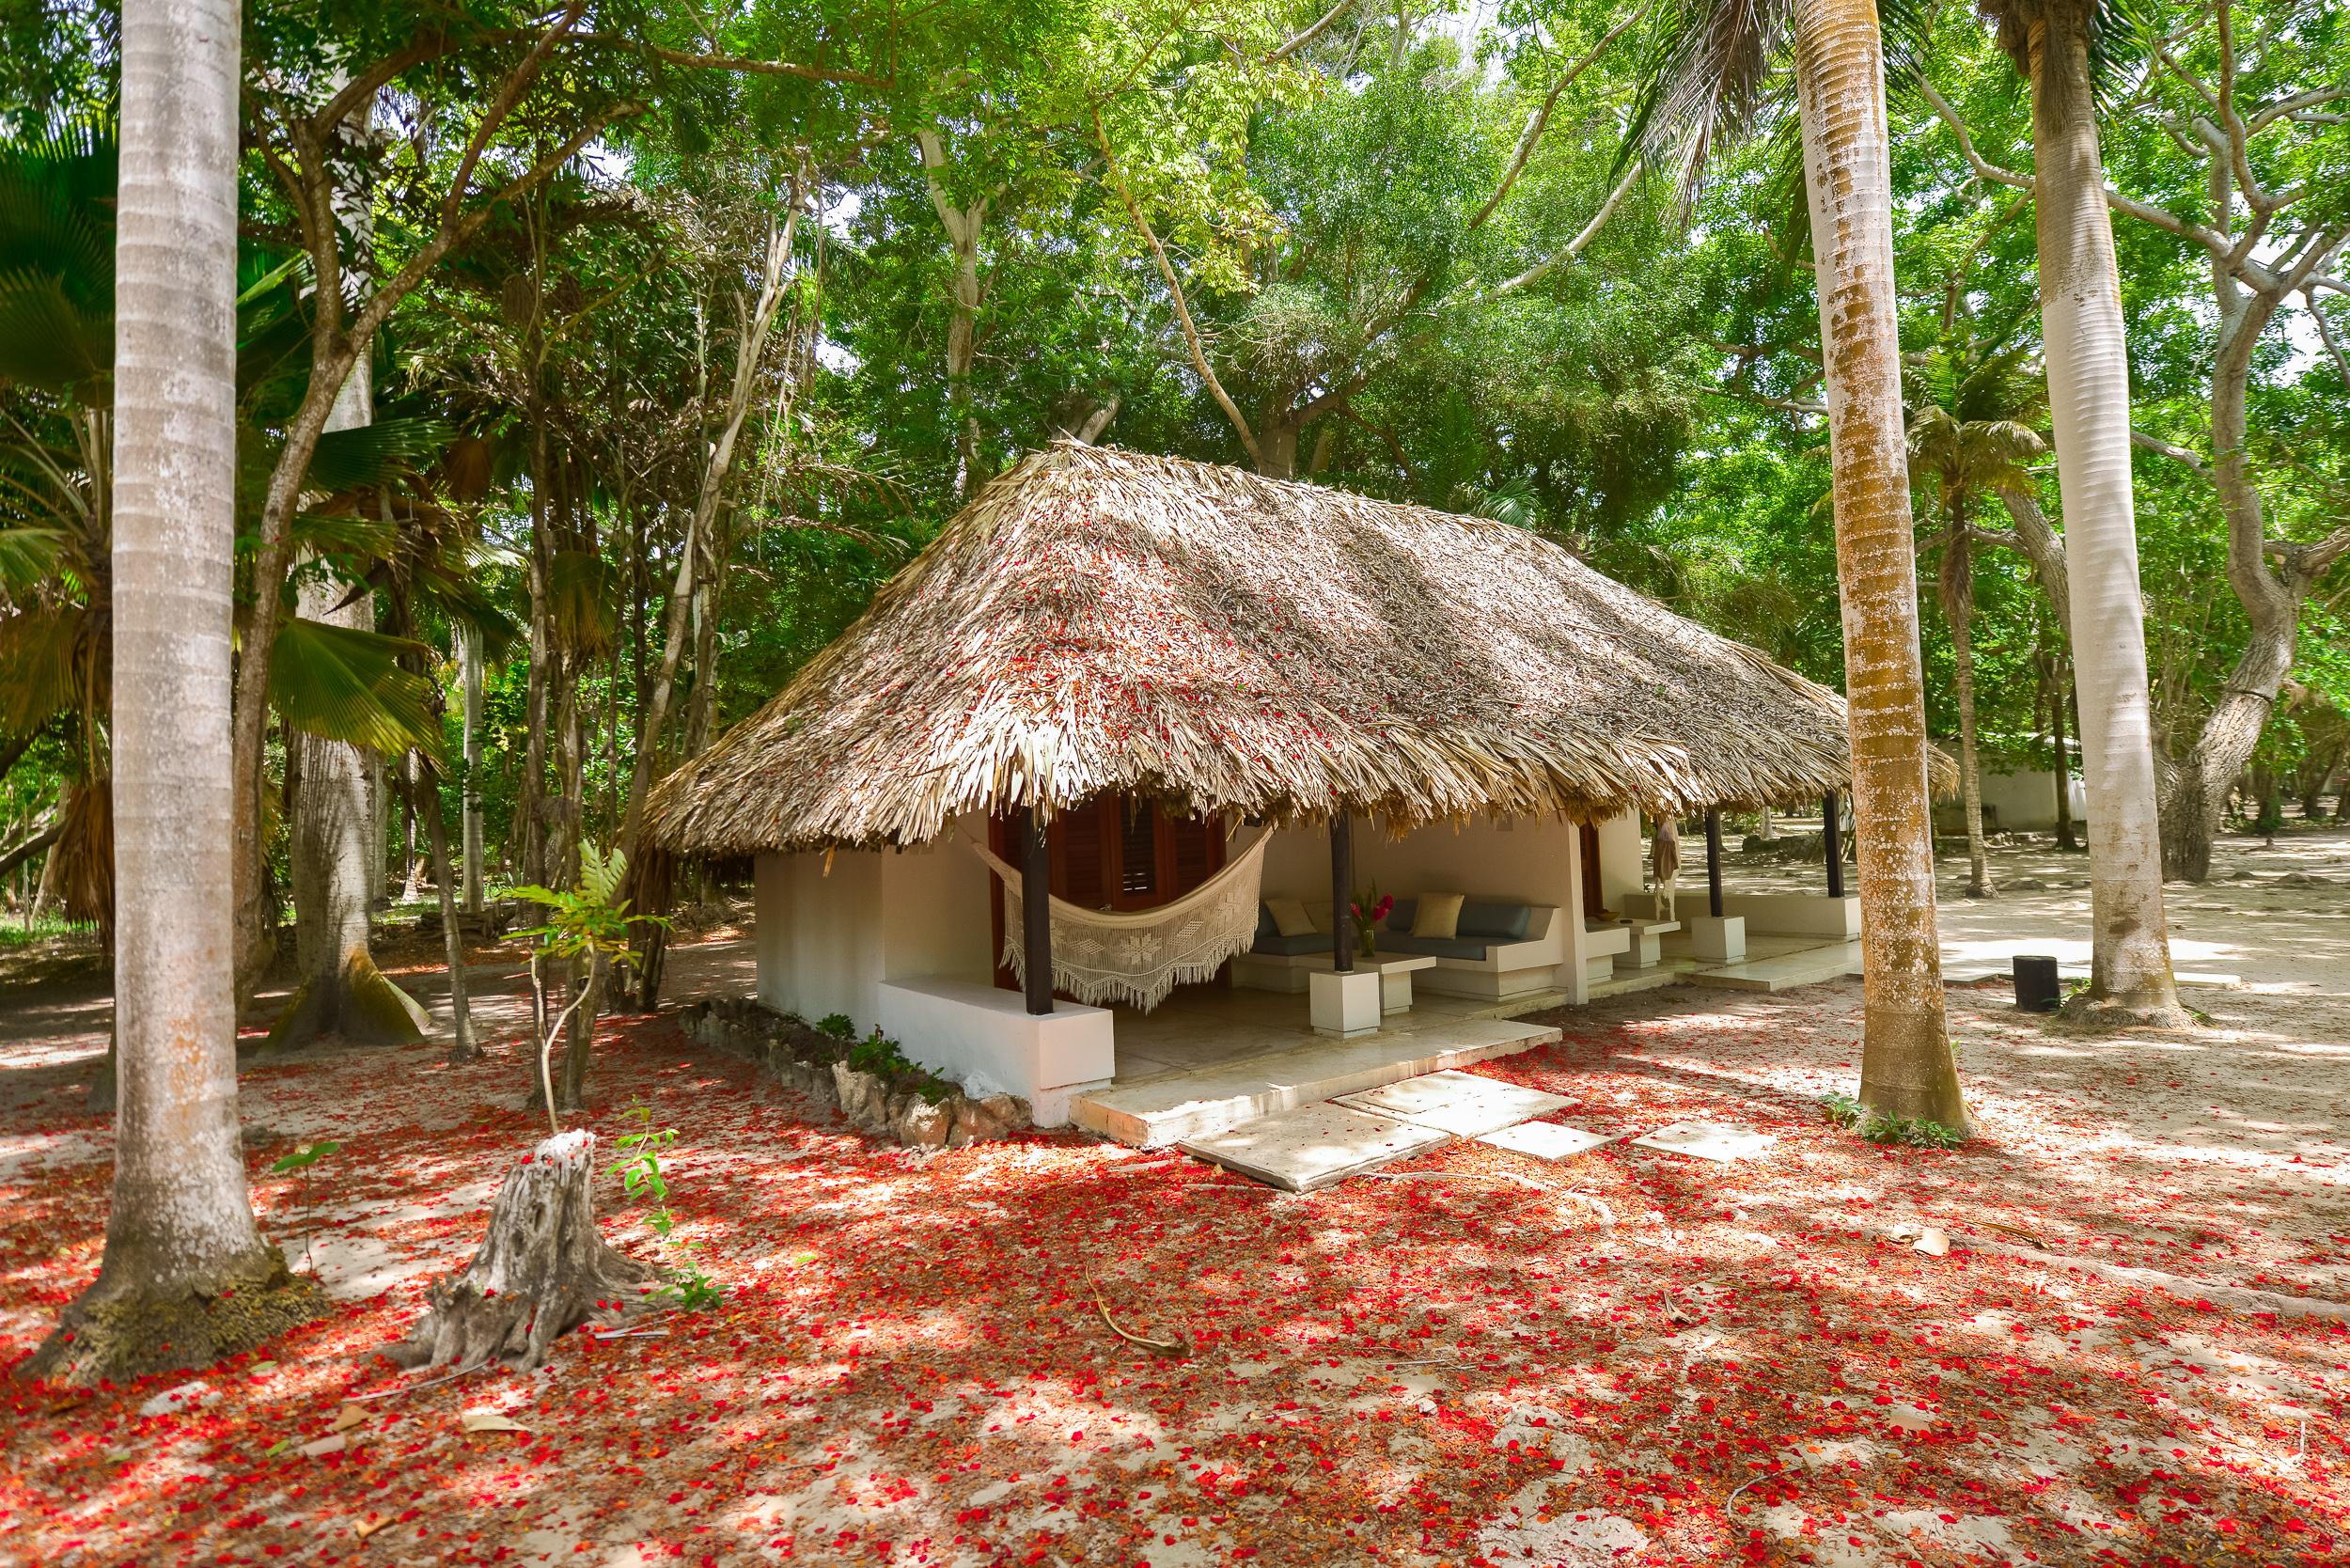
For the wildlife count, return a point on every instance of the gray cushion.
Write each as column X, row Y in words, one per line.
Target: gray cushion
column 1290, row 946
column 1435, row 946
column 1400, row 918
column 1265, row 923
column 1501, row 923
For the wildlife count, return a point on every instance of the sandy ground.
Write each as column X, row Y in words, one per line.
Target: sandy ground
column 2270, row 919
column 1633, row 1358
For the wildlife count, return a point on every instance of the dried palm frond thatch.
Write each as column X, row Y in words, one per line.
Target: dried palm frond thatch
column 1096, row 620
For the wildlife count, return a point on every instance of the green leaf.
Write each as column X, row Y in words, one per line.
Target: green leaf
column 346, row 684
column 301, row 1158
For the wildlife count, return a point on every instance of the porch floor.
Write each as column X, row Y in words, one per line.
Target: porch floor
column 1208, row 1058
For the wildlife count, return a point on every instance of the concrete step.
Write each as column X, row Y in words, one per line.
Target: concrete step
column 1172, row 1109
column 1808, row 967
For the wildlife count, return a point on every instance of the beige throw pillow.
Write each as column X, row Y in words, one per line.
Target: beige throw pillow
column 1288, row 916
column 1439, row 915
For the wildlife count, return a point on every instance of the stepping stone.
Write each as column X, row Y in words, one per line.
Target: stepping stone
column 1313, row 1146
column 1545, row 1140
column 1460, row 1103
column 1707, row 1140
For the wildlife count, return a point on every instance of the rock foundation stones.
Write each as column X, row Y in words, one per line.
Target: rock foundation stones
column 816, row 1065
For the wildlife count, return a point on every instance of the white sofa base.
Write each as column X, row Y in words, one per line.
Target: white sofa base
column 987, row 1039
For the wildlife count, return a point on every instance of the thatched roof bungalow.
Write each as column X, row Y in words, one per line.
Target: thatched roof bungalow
column 1098, row 620
column 1146, row 653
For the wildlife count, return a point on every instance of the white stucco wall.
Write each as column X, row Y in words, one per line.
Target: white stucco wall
column 828, row 942
column 1623, row 859
column 2026, row 801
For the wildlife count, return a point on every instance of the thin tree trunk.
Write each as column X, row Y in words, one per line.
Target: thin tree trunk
column 1958, row 607
column 963, row 226
column 469, row 661
column 426, row 798
column 187, row 1277
column 2089, row 401
column 529, row 821
column 748, row 350
column 1906, row 1067
column 2059, row 700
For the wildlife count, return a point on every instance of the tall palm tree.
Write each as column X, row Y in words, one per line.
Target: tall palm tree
column 186, row 1276
column 1972, row 437
column 1715, row 64
column 2053, row 43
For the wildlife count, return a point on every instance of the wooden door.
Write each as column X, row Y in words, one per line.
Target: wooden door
column 1592, row 902
column 1116, row 852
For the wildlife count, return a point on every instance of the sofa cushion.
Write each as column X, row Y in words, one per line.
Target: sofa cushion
column 1290, row 946
column 1502, row 922
column 1288, row 916
column 1471, row 948
column 1439, row 915
column 1400, row 918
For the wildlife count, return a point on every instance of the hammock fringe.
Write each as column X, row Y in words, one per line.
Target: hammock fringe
column 1102, row 957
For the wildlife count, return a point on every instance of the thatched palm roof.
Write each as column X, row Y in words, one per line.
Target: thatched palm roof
column 1096, row 620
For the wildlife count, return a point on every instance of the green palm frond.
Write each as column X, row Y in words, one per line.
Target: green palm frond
column 28, row 557
column 366, row 455
column 57, row 193
column 50, row 339
column 346, row 684
column 1511, row 501
column 344, row 533
column 463, row 601
column 41, row 664
column 580, row 583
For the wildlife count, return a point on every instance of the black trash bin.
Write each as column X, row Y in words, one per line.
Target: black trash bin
column 2036, row 986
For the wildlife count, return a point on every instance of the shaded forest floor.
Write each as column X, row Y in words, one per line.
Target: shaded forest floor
column 1631, row 1357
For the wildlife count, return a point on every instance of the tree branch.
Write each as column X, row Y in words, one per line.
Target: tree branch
column 1541, row 270
column 1983, row 168
column 503, row 103
column 735, row 63
column 1300, row 41
column 2326, row 336
column 1175, row 291
column 1539, row 120
column 2175, row 453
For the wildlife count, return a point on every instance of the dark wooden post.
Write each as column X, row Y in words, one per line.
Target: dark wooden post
column 1713, row 863
column 1036, row 907
column 1341, row 893
column 1832, row 840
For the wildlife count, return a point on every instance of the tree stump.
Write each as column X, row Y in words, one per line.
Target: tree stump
column 542, row 1270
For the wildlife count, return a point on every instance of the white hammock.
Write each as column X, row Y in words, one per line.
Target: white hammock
column 1104, row 956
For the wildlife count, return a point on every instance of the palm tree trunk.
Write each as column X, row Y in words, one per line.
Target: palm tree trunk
column 187, row 1277
column 2088, row 399
column 1906, row 1067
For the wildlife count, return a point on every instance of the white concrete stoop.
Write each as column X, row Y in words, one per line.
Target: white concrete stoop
column 1170, row 1109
